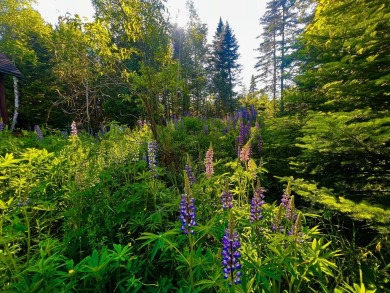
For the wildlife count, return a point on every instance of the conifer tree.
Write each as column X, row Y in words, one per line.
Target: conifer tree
column 343, row 92
column 225, row 67
column 282, row 22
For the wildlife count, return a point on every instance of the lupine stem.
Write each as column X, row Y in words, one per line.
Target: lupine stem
column 28, row 235
column 191, row 262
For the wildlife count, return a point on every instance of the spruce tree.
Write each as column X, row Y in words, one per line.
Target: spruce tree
column 224, row 66
column 343, row 91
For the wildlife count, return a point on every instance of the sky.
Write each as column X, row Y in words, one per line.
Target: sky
column 243, row 17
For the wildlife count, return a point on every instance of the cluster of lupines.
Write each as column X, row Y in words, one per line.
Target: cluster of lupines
column 230, row 255
column 73, row 129
column 209, row 162
column 187, row 209
column 152, row 151
column 38, row 132
column 256, row 205
column 246, row 114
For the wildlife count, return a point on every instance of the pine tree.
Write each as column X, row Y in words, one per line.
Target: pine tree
column 252, row 86
column 196, row 60
column 224, row 66
column 282, row 22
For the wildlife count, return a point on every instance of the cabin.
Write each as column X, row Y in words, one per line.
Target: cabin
column 6, row 68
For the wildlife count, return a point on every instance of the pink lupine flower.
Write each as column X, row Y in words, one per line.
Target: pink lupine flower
column 209, row 162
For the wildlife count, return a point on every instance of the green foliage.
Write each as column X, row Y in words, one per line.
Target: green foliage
column 350, row 147
column 378, row 216
column 89, row 216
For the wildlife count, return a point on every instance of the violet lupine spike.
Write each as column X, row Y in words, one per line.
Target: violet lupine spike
column 256, row 205
column 253, row 113
column 209, row 162
column 242, row 135
column 187, row 214
column 285, row 199
column 230, row 256
column 38, row 132
column 152, row 151
column 248, row 130
column 290, row 210
column 190, row 173
column 227, row 199
column 73, row 129
column 1, row 125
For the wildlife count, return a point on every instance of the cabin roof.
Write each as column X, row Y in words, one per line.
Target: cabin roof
column 7, row 67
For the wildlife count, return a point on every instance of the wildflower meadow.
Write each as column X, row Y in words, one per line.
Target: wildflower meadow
column 109, row 213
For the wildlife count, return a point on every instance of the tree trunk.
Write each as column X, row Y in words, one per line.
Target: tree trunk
column 282, row 57
column 3, row 106
column 275, row 68
column 16, row 109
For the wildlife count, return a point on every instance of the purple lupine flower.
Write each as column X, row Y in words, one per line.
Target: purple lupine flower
column 190, row 172
column 187, row 214
column 290, row 210
column 227, row 199
column 38, row 132
column 209, row 162
column 152, row 150
column 1, row 125
column 73, row 129
column 253, row 113
column 256, row 205
column 241, row 137
column 230, row 256
column 248, row 130
column 285, row 199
